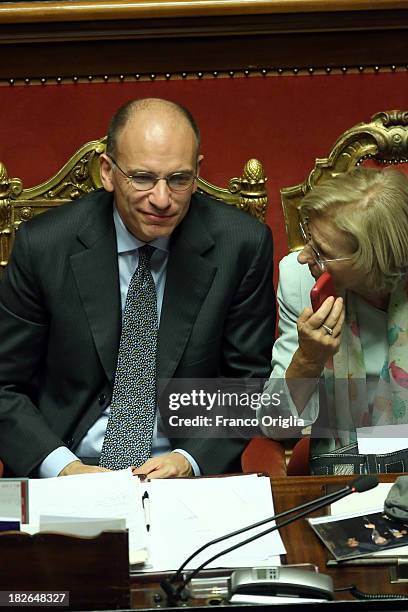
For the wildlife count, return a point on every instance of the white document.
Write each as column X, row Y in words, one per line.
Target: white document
column 99, row 495
column 82, row 527
column 185, row 514
column 368, row 501
column 382, row 439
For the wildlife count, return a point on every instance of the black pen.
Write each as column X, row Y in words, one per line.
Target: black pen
column 146, row 508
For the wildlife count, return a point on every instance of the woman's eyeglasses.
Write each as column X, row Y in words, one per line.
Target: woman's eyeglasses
column 321, row 261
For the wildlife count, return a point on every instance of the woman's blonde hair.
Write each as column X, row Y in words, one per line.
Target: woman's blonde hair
column 372, row 207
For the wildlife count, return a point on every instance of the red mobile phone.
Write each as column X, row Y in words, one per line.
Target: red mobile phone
column 322, row 289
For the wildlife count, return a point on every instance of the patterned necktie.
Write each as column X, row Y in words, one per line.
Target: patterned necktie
column 129, row 432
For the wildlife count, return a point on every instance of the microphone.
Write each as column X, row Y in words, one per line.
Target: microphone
column 364, row 483
column 359, row 485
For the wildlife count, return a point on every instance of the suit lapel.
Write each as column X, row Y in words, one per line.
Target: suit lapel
column 96, row 273
column 188, row 280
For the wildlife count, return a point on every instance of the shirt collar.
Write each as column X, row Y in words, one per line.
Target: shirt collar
column 127, row 242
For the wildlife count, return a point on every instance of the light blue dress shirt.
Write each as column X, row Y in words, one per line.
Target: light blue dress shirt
column 91, row 443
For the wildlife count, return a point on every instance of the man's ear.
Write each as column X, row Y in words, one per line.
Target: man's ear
column 106, row 172
column 199, row 160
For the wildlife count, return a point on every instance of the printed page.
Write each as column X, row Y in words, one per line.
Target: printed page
column 185, row 514
column 101, row 495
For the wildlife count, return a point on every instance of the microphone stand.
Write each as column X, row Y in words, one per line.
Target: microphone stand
column 173, row 594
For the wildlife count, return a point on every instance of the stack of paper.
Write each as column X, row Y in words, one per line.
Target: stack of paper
column 184, row 514
column 103, row 495
column 188, row 513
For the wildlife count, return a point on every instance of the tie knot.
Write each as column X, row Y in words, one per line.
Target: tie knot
column 145, row 254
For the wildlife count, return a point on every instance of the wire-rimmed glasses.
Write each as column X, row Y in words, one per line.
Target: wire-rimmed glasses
column 321, row 261
column 144, row 181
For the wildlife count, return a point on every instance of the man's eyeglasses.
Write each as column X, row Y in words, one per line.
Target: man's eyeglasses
column 321, row 261
column 144, row 181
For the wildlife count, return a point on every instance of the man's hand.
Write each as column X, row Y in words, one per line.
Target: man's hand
column 170, row 465
column 77, row 467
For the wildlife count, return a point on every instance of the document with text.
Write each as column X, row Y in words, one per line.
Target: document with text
column 167, row 519
column 101, row 495
column 187, row 513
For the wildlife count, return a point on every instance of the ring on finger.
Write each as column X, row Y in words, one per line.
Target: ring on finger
column 328, row 329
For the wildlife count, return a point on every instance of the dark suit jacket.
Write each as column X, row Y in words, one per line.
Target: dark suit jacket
column 60, row 321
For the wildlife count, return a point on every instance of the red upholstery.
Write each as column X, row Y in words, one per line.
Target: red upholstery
column 373, row 163
column 1, row 469
column 299, row 462
column 264, row 455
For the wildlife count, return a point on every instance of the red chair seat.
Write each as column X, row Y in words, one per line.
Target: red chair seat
column 264, row 455
column 299, row 462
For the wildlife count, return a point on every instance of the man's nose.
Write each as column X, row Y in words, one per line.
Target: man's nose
column 160, row 194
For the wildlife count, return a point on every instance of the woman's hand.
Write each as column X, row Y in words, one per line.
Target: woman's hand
column 316, row 346
column 319, row 334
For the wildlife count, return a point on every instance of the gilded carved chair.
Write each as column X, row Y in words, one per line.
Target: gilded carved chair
column 381, row 141
column 80, row 175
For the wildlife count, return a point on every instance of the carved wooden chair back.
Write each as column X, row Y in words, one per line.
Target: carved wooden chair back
column 381, row 141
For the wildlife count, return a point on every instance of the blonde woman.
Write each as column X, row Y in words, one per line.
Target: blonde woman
column 345, row 366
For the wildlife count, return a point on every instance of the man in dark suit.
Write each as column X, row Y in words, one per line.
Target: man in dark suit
column 66, row 284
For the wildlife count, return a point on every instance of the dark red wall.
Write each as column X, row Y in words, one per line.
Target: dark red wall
column 285, row 121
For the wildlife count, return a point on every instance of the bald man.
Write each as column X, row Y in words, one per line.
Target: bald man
column 63, row 297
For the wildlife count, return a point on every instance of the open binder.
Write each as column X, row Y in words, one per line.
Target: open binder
column 182, row 514
column 186, row 513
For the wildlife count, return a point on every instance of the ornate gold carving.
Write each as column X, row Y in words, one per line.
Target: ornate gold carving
column 251, row 186
column 8, row 188
column 26, row 213
column 389, row 118
column 384, row 138
column 247, row 192
column 77, row 177
column 80, row 175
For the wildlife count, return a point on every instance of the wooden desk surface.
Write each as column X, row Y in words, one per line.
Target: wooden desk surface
column 303, row 546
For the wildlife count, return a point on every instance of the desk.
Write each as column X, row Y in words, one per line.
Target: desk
column 303, row 546
column 109, row 573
